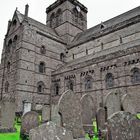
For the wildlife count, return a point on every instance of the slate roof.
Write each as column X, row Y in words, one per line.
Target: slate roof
column 108, row 25
column 40, row 26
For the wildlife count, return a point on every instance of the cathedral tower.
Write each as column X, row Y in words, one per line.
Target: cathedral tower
column 67, row 17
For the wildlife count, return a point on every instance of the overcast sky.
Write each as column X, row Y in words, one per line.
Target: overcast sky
column 98, row 10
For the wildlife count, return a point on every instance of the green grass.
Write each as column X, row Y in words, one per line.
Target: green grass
column 11, row 136
column 138, row 115
column 95, row 137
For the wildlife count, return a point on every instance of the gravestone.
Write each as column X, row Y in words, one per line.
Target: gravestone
column 124, row 126
column 45, row 113
column 113, row 103
column 100, row 118
column 107, row 134
column 70, row 111
column 127, row 103
column 136, row 128
column 0, row 114
column 87, row 107
column 50, row 131
column 7, row 116
column 26, row 107
column 55, row 116
column 29, row 121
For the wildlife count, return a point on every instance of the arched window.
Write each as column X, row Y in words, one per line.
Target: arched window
column 15, row 41
column 120, row 39
column 70, row 85
column 42, row 67
column 62, row 56
column 40, row 87
column 81, row 19
column 42, row 49
column 9, row 45
column 75, row 15
column 8, row 66
column 15, row 38
column 56, row 89
column 6, row 86
column 88, row 83
column 52, row 20
column 135, row 77
column 109, row 79
column 58, row 17
column 86, row 51
column 14, row 22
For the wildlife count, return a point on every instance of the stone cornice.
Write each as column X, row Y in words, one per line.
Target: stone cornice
column 55, row 39
column 99, row 59
column 59, row 2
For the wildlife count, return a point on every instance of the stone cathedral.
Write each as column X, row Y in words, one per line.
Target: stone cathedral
column 42, row 61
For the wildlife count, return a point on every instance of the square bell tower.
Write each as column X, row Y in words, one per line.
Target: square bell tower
column 67, row 17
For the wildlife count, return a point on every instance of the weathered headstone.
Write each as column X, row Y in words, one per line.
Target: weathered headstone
column 55, row 116
column 87, row 108
column 7, row 116
column 29, row 121
column 108, row 135
column 124, row 126
column 127, row 103
column 50, row 131
column 100, row 118
column 70, row 110
column 113, row 103
column 45, row 113
column 136, row 128
column 0, row 114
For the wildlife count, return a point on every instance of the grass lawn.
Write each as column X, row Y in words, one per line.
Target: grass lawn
column 138, row 115
column 11, row 136
column 16, row 135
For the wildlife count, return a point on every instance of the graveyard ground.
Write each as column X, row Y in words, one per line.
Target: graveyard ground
column 16, row 135
column 11, row 136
